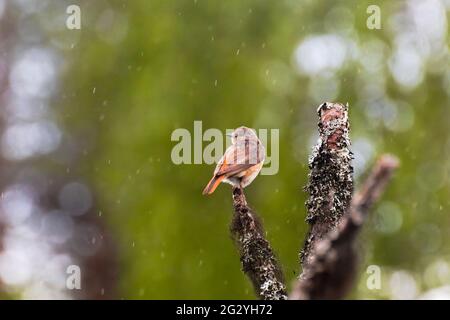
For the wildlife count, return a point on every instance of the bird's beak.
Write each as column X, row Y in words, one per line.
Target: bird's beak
column 229, row 135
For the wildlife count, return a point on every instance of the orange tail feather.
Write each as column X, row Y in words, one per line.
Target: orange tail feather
column 212, row 184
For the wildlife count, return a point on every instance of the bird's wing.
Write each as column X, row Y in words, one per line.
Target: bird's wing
column 219, row 164
column 233, row 169
column 240, row 157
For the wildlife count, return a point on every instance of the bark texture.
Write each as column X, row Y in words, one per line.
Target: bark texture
column 329, row 258
column 330, row 185
column 258, row 260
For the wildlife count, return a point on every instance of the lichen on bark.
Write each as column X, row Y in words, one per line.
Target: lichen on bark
column 257, row 257
column 330, row 185
column 332, row 266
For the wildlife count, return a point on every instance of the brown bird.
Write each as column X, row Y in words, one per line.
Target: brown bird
column 241, row 162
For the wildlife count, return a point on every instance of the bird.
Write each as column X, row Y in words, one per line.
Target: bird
column 241, row 162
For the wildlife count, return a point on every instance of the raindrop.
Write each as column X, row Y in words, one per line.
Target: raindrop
column 82, row 241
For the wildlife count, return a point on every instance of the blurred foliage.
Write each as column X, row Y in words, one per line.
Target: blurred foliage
column 127, row 86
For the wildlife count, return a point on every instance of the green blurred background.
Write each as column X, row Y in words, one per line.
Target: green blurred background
column 137, row 70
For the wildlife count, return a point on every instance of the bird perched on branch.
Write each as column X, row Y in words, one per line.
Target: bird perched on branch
column 241, row 162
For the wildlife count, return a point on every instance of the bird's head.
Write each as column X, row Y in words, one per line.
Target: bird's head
column 242, row 133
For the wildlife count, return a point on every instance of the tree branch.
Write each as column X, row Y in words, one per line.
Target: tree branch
column 373, row 187
column 329, row 258
column 330, row 185
column 332, row 267
column 258, row 260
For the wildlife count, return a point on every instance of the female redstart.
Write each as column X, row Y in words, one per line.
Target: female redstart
column 241, row 162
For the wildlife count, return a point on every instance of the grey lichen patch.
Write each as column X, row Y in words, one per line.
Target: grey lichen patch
column 330, row 270
column 258, row 260
column 330, row 184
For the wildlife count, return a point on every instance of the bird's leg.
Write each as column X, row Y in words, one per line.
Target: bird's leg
column 238, row 194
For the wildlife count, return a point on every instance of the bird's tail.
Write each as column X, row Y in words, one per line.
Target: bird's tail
column 212, row 184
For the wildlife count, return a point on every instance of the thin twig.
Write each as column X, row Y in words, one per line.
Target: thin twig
column 373, row 187
column 258, row 260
